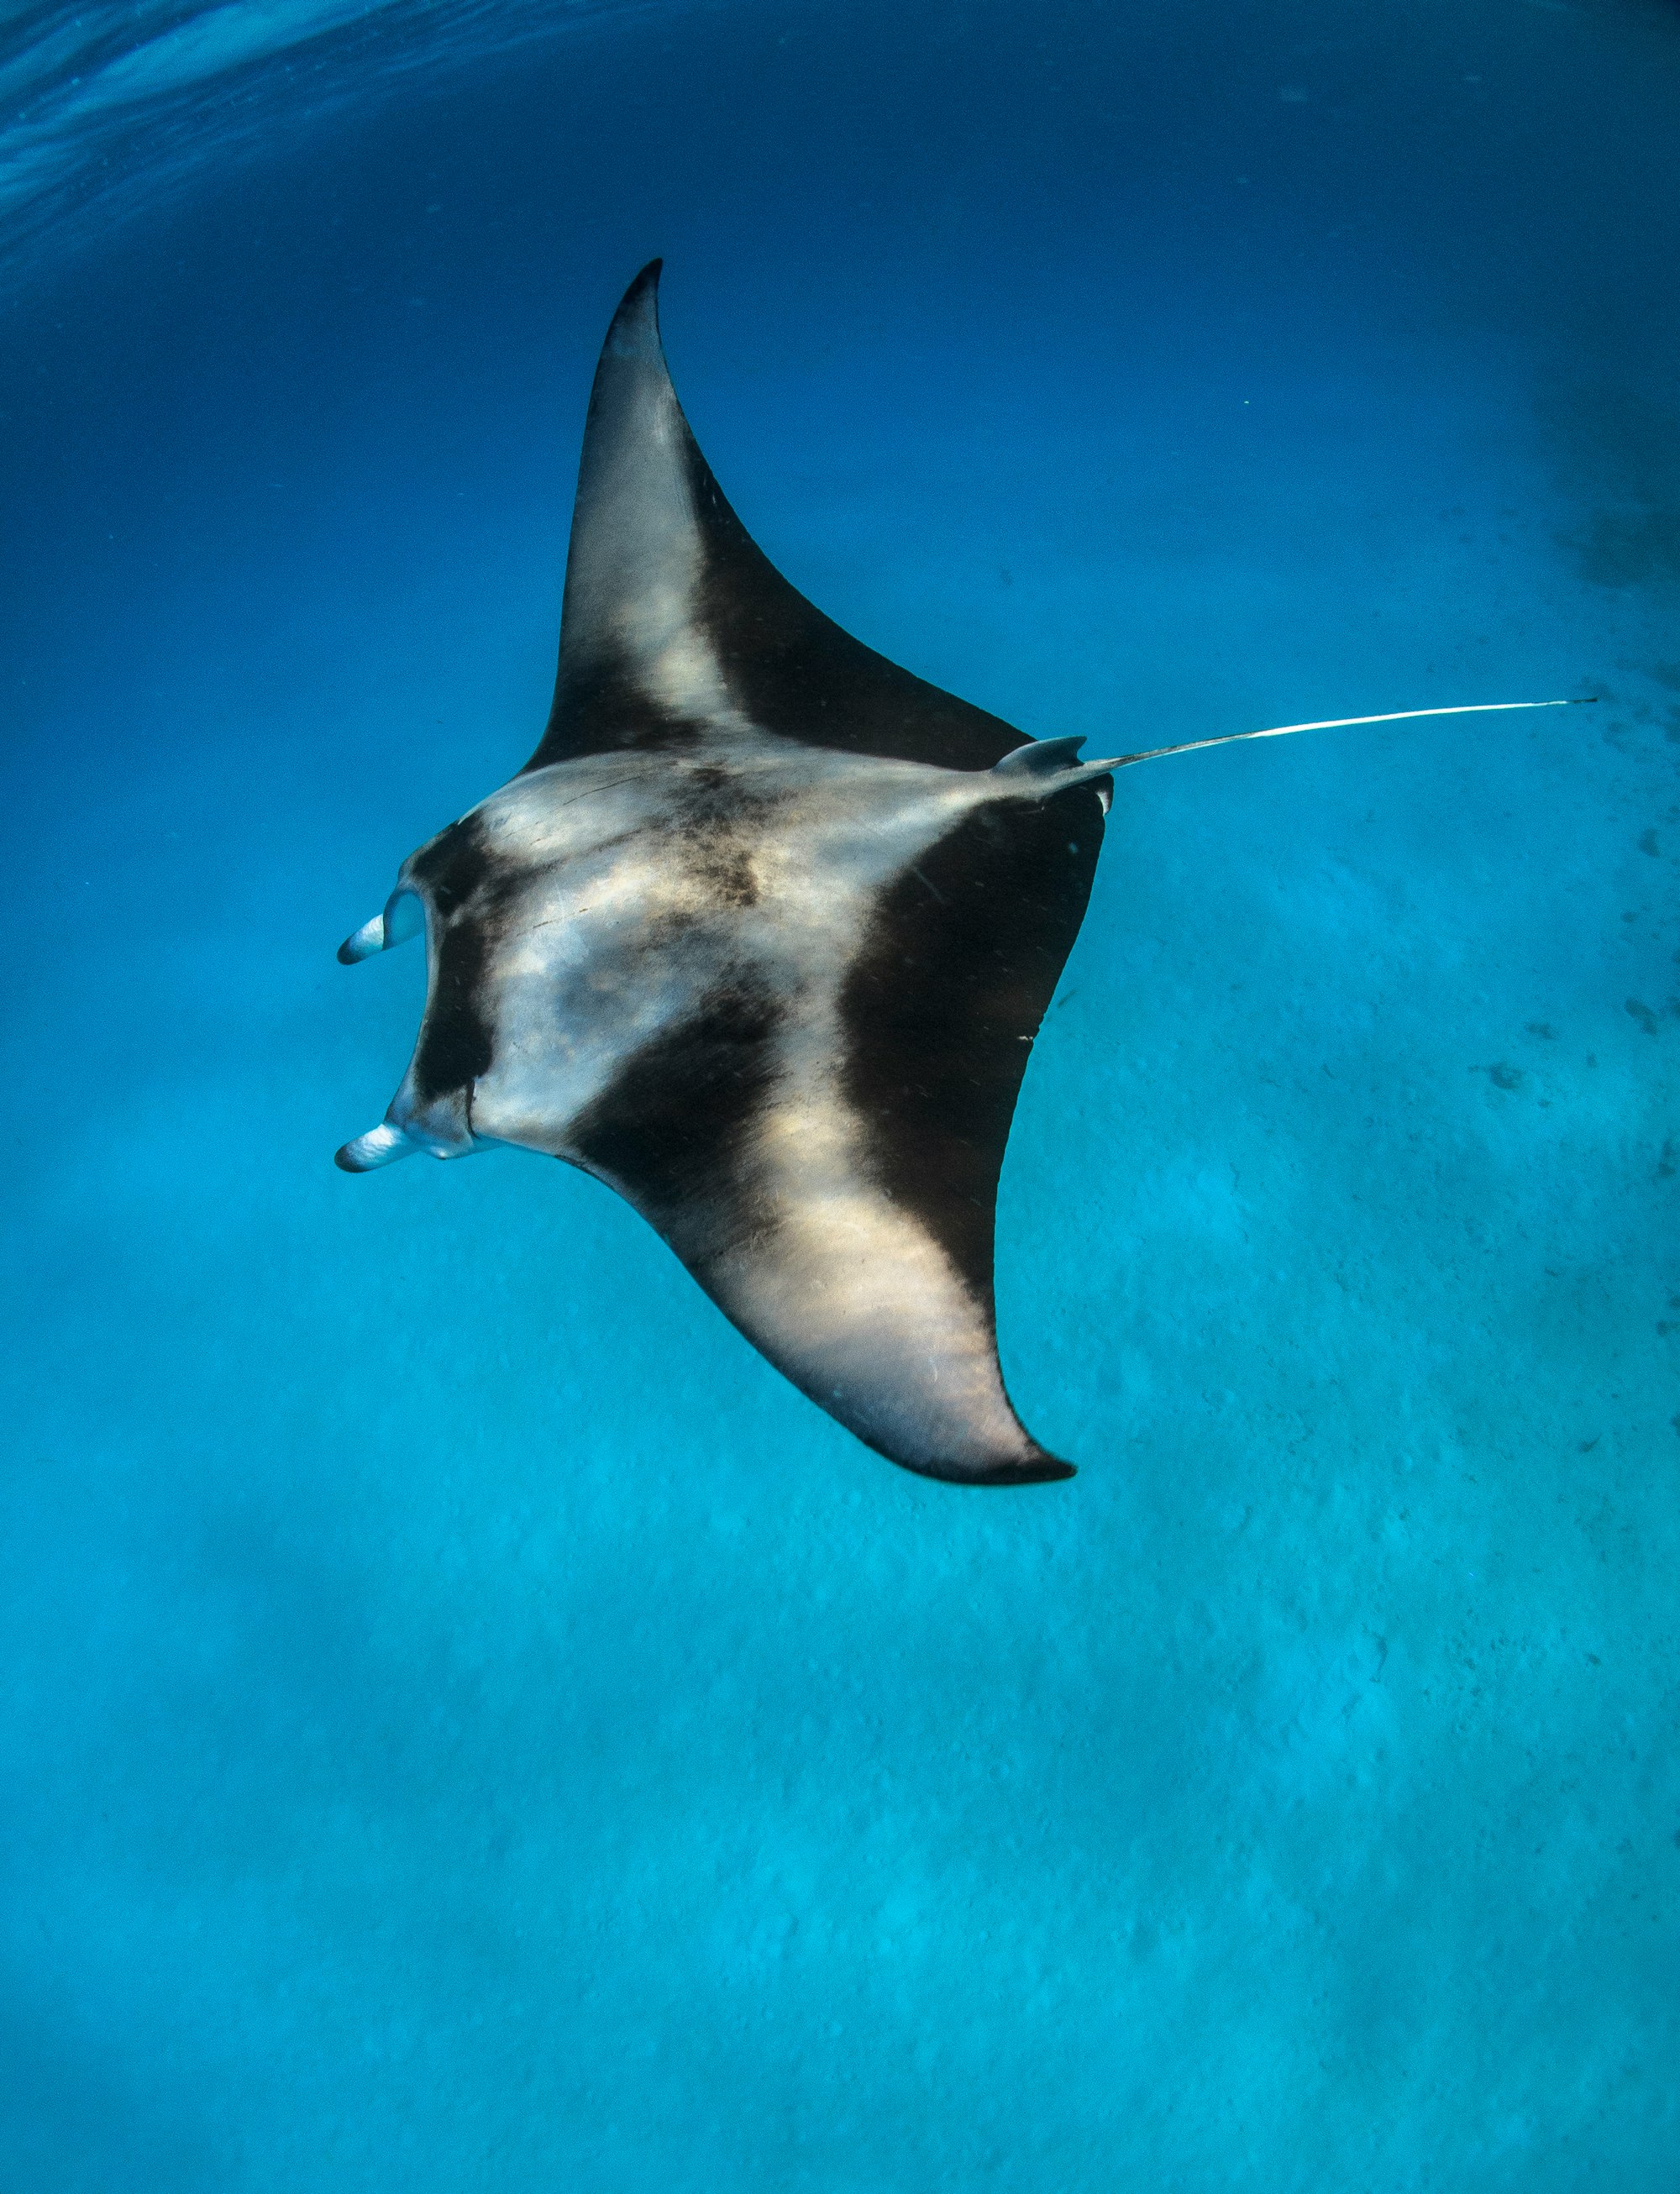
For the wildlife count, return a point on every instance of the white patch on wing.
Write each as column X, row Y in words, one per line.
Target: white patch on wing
column 632, row 578
column 850, row 1296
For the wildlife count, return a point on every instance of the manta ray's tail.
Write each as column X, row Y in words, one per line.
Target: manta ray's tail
column 1045, row 766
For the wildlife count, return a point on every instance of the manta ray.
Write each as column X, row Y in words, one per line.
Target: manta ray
column 761, row 936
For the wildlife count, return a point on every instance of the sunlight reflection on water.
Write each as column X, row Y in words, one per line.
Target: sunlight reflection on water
column 103, row 109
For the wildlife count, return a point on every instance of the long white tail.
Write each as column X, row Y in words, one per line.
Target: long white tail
column 1336, row 723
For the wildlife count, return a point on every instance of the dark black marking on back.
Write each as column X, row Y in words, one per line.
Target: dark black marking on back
column 454, row 866
column 672, row 1128
column 456, row 1044
column 719, row 825
column 471, row 892
column 958, row 968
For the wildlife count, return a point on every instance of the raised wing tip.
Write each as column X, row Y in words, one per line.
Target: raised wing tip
column 635, row 331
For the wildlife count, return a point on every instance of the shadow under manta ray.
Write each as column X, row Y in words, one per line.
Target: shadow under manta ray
column 761, row 936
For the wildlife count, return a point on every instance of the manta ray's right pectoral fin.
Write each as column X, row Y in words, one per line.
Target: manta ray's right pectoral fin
column 400, row 918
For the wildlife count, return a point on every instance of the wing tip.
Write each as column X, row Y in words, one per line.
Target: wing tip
column 1037, row 1469
column 635, row 331
column 1042, row 1470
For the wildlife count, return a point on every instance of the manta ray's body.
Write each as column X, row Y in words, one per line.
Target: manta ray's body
column 761, row 936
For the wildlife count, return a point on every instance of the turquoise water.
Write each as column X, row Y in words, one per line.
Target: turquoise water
column 469, row 1723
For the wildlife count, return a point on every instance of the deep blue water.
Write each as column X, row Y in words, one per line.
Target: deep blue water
column 469, row 1724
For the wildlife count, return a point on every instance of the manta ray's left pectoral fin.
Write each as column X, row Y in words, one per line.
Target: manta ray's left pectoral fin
column 400, row 918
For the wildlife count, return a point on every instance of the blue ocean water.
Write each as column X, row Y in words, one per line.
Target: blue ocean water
column 469, row 1724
